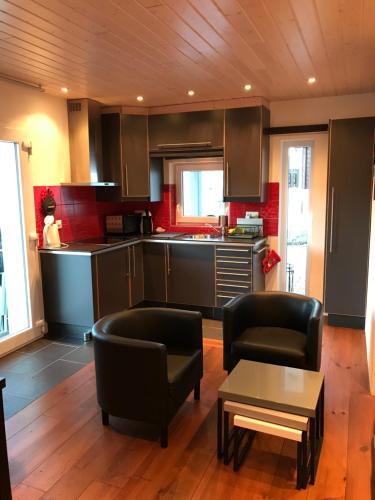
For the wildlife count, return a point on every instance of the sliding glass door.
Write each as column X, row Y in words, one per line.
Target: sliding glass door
column 14, row 285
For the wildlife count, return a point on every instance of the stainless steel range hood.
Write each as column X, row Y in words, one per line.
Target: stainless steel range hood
column 85, row 142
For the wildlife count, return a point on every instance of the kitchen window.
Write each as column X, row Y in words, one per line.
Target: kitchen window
column 199, row 190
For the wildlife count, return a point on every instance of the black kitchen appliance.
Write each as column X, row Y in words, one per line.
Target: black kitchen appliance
column 146, row 222
column 122, row 224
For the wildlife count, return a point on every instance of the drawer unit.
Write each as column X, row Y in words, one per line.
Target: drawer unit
column 233, row 272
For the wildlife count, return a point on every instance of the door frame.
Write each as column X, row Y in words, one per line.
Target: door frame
column 12, row 342
column 285, row 143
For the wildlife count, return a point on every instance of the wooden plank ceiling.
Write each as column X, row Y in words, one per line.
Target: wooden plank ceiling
column 115, row 50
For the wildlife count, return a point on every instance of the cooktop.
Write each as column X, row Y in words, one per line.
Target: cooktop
column 106, row 240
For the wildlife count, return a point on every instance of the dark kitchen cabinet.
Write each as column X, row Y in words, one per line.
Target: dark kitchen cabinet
column 246, row 154
column 135, row 255
column 350, row 172
column 200, row 129
column 154, row 268
column 80, row 289
column 112, row 272
column 191, row 274
column 126, row 158
column 68, row 289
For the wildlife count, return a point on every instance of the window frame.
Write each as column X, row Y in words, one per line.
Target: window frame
column 179, row 166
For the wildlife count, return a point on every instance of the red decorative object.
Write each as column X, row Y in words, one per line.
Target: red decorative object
column 270, row 260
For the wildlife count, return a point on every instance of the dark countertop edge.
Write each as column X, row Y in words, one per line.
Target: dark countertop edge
column 82, row 249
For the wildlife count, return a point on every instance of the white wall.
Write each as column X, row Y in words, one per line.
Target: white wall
column 28, row 115
column 43, row 120
column 321, row 109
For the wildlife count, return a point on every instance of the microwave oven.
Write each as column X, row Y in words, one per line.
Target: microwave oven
column 122, row 224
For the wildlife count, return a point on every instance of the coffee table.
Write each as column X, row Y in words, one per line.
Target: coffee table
column 265, row 396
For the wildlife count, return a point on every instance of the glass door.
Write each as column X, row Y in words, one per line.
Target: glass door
column 297, row 162
column 14, row 287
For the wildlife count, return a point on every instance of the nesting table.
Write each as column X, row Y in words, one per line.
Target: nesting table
column 5, row 489
column 278, row 400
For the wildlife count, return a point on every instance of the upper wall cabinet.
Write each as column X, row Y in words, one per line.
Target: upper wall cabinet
column 246, row 154
column 126, row 158
column 199, row 130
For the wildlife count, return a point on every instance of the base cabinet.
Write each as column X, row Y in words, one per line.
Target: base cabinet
column 191, row 274
column 79, row 290
column 154, row 267
column 238, row 271
column 135, row 255
column 112, row 274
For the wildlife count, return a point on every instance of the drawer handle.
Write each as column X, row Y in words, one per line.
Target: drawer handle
column 234, row 286
column 226, row 296
column 233, row 262
column 233, row 274
column 229, row 282
column 232, row 250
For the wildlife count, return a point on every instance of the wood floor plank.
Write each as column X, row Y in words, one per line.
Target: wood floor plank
column 360, row 445
column 99, row 491
column 35, row 443
column 24, row 492
column 59, row 445
column 48, row 400
column 46, row 475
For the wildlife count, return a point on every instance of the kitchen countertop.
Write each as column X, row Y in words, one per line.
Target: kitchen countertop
column 82, row 248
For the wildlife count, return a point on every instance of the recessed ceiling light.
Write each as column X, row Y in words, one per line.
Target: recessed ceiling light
column 140, row 98
column 191, row 92
column 64, row 89
column 247, row 87
column 311, row 80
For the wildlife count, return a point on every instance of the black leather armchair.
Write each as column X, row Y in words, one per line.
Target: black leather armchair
column 273, row 327
column 147, row 362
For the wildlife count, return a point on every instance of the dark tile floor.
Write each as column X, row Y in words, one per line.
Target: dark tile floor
column 34, row 369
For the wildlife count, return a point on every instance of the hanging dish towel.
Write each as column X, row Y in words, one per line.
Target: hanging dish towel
column 270, row 260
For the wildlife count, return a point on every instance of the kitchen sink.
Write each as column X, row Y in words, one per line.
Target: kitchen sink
column 202, row 237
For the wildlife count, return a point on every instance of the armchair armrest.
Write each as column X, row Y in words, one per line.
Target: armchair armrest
column 235, row 319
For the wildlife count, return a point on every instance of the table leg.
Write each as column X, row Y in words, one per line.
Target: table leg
column 236, row 448
column 299, row 465
column 226, row 437
column 219, row 428
column 302, row 462
column 313, row 438
column 5, row 488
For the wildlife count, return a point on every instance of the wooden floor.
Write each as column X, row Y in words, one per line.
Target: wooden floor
column 59, row 449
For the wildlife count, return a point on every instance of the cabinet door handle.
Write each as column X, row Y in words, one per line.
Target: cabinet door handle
column 168, row 267
column 129, row 268
column 126, row 178
column 227, row 179
column 261, row 250
column 133, row 248
column 332, row 217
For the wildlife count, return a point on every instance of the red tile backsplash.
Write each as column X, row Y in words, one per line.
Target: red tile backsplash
column 83, row 217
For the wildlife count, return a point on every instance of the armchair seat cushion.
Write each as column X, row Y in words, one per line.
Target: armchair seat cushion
column 184, row 367
column 279, row 346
